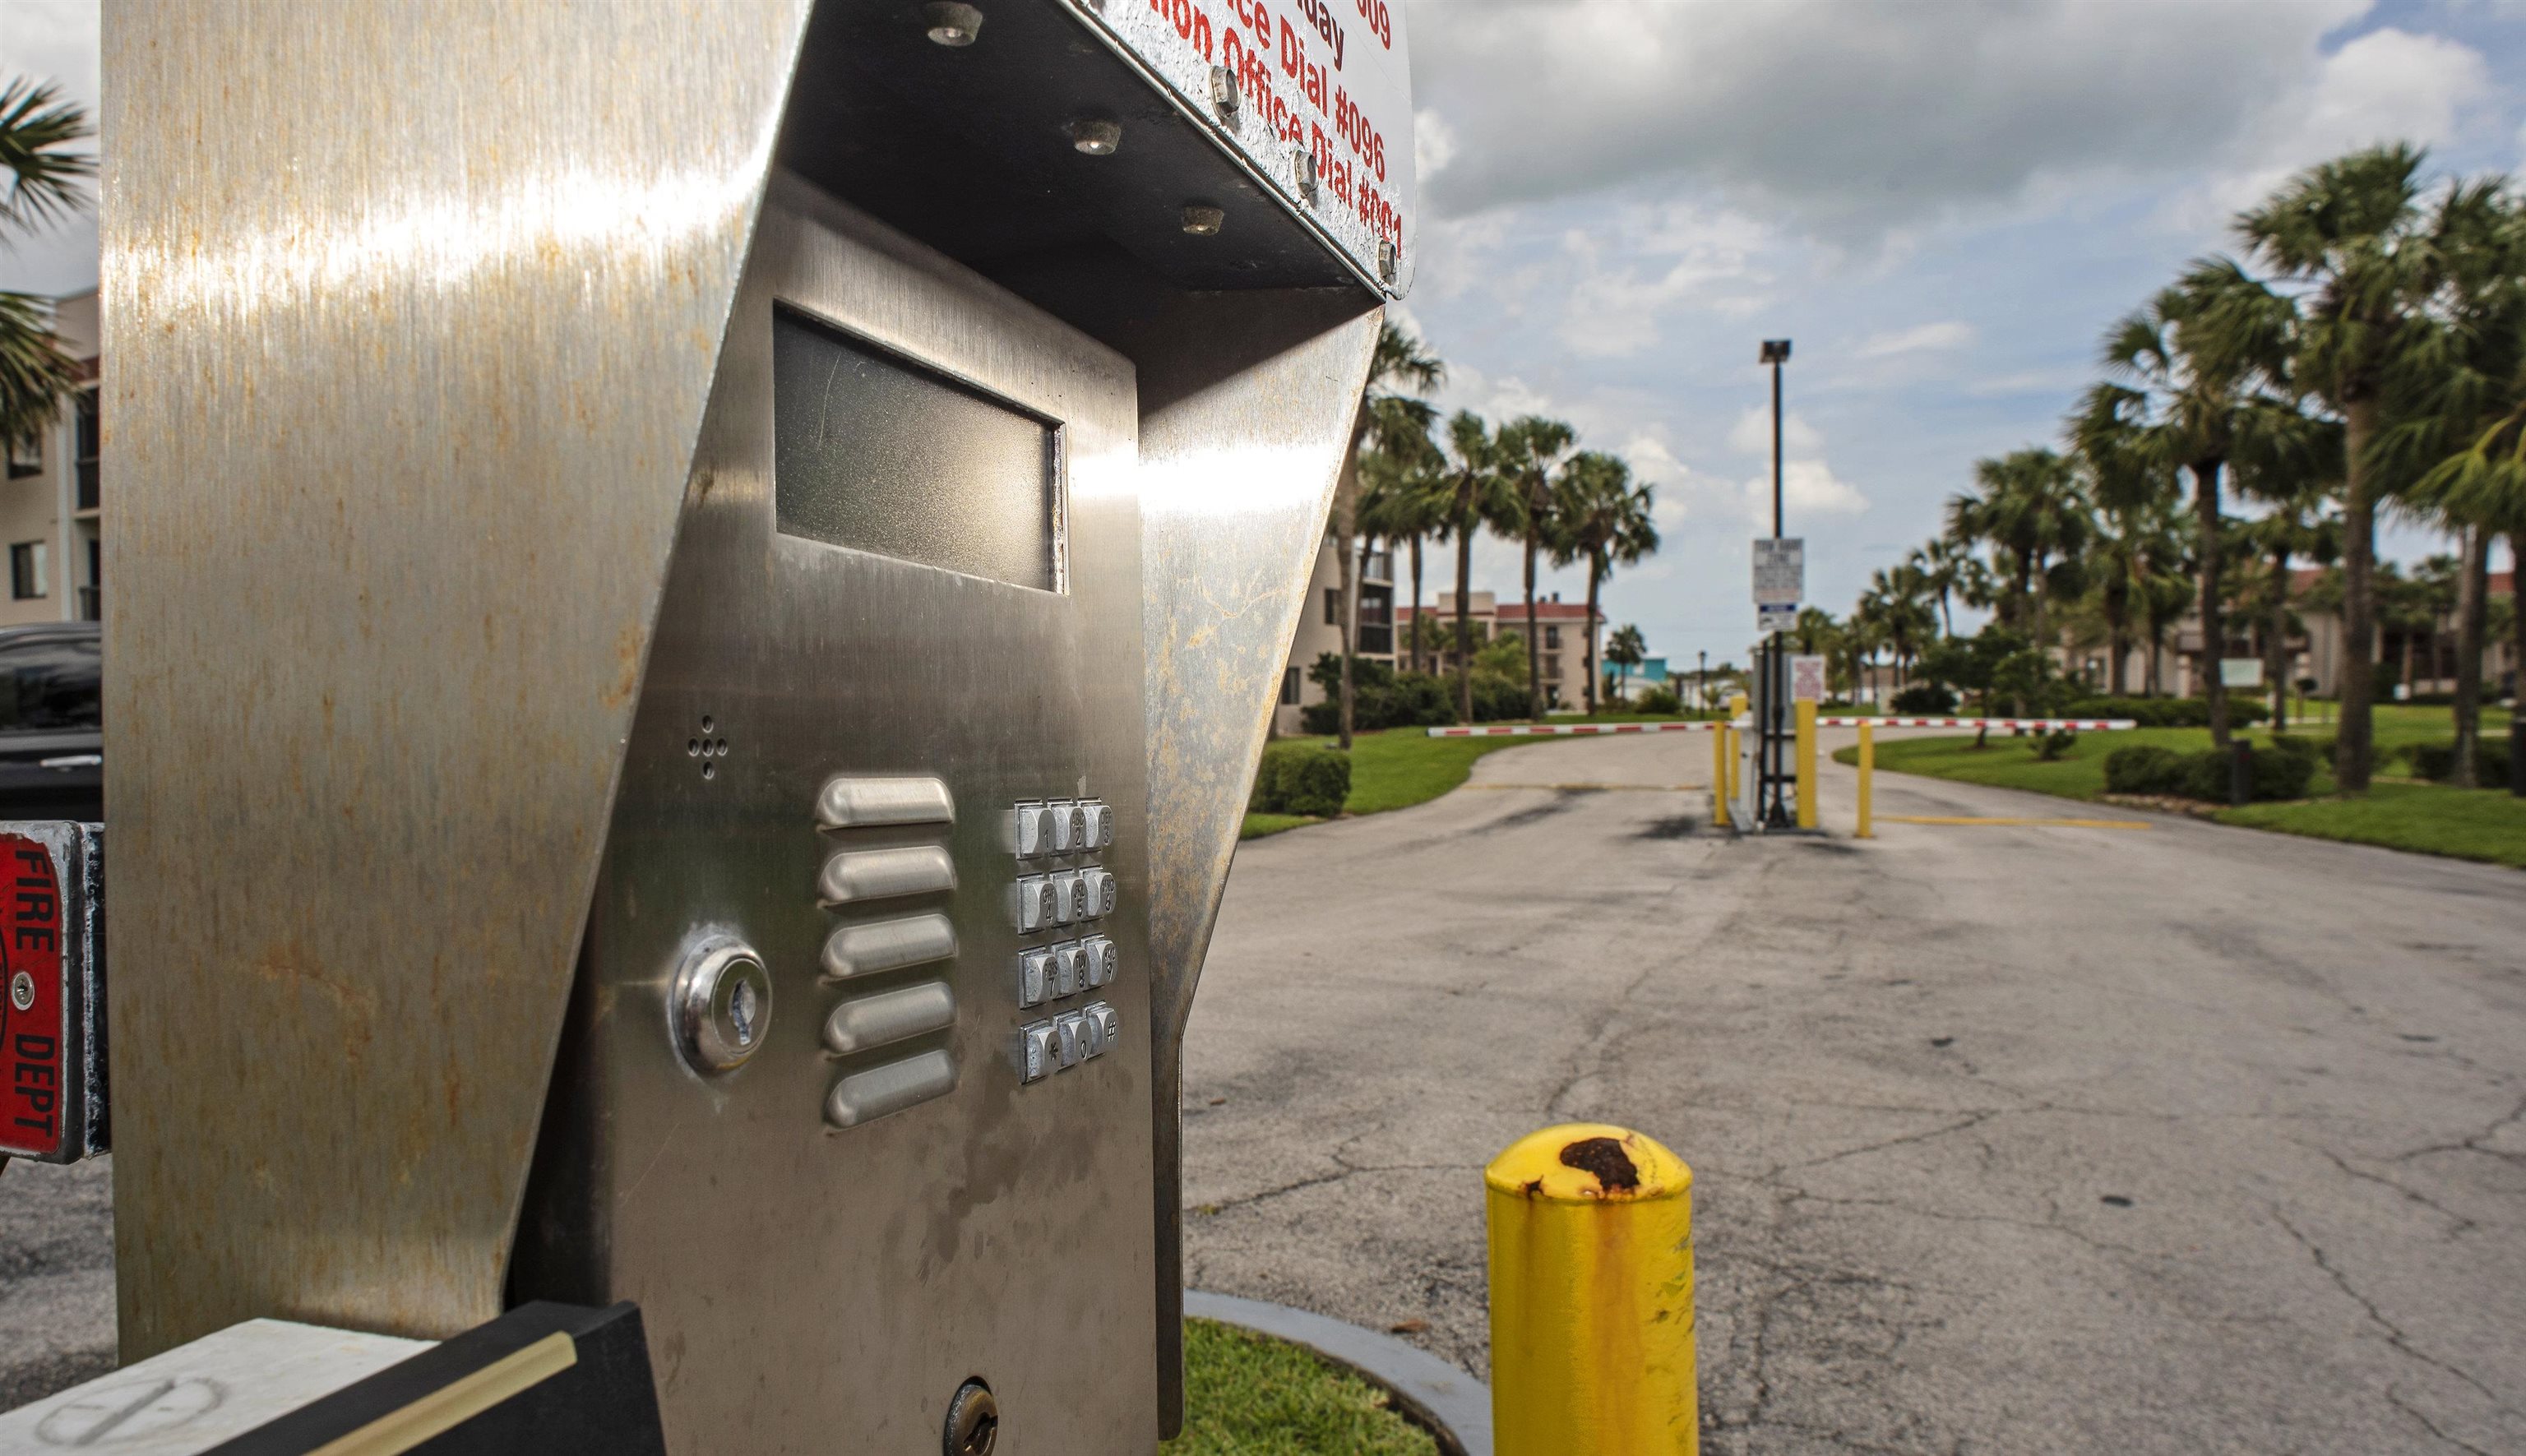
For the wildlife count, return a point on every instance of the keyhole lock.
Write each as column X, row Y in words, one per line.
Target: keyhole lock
column 721, row 1005
column 972, row 1421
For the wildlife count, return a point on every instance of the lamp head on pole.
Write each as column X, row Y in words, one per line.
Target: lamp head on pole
column 1776, row 351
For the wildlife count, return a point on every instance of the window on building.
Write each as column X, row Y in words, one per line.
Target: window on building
column 1553, row 636
column 1332, row 606
column 91, row 445
column 26, row 570
column 1289, row 687
column 27, row 457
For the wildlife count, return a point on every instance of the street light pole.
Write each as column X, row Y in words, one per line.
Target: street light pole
column 1771, row 779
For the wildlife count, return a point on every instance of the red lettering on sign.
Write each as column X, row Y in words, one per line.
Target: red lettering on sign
column 31, row 1000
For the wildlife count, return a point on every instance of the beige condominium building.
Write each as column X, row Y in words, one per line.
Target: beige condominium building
column 49, row 501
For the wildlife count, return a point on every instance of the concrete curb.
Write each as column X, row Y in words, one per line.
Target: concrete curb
column 1456, row 1407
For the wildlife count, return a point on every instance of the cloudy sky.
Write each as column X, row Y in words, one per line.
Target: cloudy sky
column 1943, row 201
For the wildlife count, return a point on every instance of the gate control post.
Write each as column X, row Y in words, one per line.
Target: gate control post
column 1807, row 750
column 1867, row 783
column 1591, row 1297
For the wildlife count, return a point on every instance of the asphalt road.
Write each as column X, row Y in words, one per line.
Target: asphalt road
column 2006, row 1139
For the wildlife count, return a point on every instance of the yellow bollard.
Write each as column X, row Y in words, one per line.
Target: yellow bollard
column 1591, row 1297
column 1806, row 766
column 1719, row 776
column 1867, row 782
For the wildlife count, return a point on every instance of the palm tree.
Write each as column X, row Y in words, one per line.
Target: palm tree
column 2485, row 484
column 1530, row 449
column 1398, row 477
column 2029, row 509
column 1898, row 609
column 1473, row 494
column 45, row 184
column 1626, row 648
column 2350, row 235
column 1601, row 517
column 2186, row 366
column 1397, row 359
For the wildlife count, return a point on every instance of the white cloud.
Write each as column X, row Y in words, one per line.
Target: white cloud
column 2387, row 86
column 1751, row 434
column 1809, row 487
column 1654, row 260
column 1854, row 120
column 1950, row 334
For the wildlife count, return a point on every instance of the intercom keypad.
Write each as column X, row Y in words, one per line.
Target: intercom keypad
column 1063, row 893
column 877, row 934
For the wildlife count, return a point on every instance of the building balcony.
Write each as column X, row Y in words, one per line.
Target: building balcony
column 1376, row 642
column 90, row 483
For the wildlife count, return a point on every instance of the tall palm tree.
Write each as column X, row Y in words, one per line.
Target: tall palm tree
column 2350, row 237
column 1939, row 560
column 1475, row 492
column 46, row 183
column 2185, row 366
column 1398, row 482
column 1397, row 360
column 1601, row 517
column 1531, row 451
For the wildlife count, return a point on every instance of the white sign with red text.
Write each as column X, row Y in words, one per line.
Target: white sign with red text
column 1320, row 80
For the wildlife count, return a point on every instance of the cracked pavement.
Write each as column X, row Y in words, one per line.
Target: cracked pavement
column 2005, row 1139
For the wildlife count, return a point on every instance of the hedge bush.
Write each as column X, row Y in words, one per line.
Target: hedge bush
column 2168, row 712
column 2436, row 761
column 1657, row 700
column 1306, row 778
column 1924, row 700
column 2282, row 773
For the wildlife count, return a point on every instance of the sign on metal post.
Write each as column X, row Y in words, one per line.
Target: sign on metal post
column 1781, row 571
column 1806, row 679
column 2241, row 671
column 1774, row 617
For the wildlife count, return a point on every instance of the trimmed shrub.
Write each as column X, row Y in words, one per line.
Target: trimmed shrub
column 2168, row 712
column 2051, row 745
column 1924, row 700
column 1657, row 700
column 2144, row 769
column 1306, row 778
column 2436, row 761
column 2275, row 775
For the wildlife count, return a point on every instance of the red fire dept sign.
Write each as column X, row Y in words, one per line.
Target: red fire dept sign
column 35, row 1040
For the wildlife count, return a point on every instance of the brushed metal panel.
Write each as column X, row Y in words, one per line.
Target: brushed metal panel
column 993, row 1230
column 411, row 314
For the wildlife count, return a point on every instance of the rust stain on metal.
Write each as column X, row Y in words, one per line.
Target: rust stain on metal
column 1604, row 1159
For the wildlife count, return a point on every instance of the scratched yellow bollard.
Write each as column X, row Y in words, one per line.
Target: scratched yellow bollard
column 1807, row 750
column 1719, row 776
column 1591, row 1297
column 1867, row 783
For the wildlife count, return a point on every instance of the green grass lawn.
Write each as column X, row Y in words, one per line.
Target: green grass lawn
column 1247, row 1396
column 2430, row 818
column 1399, row 768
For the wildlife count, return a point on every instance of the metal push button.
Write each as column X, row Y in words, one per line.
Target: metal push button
column 1036, row 903
column 1108, row 1025
column 1103, row 959
column 1034, row 830
column 1070, row 1033
column 1069, row 969
column 1069, row 897
column 862, row 875
column 1100, row 893
column 1069, row 825
column 1097, row 816
column 855, row 803
column 1035, row 978
column 1038, row 1051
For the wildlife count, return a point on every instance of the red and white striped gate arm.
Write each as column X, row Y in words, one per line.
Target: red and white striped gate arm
column 2051, row 724
column 1568, row 729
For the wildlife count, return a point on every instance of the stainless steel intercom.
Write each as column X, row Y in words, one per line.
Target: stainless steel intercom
column 691, row 655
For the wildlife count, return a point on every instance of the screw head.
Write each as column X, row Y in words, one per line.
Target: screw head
column 1096, row 138
column 950, row 24
column 1203, row 221
column 22, row 991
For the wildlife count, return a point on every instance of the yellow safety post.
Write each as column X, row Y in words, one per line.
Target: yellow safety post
column 1719, row 776
column 1806, row 766
column 1591, row 1297
column 1867, row 782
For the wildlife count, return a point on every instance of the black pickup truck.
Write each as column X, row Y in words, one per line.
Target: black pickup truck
column 52, row 742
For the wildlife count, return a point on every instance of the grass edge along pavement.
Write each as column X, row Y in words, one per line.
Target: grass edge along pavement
column 1248, row 1394
column 1396, row 769
column 2487, row 825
